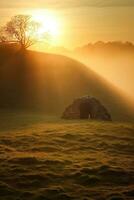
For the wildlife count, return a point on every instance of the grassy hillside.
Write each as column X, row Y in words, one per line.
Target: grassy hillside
column 48, row 82
column 44, row 158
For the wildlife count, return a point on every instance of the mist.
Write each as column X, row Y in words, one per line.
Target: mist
column 113, row 61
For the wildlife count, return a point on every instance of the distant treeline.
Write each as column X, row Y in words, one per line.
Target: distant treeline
column 107, row 47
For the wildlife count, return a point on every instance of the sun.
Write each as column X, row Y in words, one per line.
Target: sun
column 48, row 23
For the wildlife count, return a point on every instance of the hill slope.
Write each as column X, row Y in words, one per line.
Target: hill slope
column 50, row 82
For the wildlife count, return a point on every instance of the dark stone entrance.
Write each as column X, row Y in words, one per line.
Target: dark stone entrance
column 84, row 110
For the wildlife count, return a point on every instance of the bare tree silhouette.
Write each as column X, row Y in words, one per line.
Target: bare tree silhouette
column 20, row 29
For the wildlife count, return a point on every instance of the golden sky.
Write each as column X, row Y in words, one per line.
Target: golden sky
column 80, row 21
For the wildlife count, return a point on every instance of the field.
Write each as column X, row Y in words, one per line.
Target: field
column 46, row 158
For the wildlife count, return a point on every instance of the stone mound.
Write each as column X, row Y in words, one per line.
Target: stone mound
column 86, row 108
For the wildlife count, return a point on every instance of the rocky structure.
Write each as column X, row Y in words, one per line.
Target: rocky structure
column 86, row 108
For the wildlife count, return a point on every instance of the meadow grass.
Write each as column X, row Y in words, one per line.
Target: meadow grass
column 45, row 157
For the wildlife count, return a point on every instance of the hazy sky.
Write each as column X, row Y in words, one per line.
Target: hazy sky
column 81, row 21
column 66, row 3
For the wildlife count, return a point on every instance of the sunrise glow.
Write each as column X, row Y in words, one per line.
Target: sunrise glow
column 48, row 24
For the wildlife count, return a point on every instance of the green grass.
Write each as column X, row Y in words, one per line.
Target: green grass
column 44, row 157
